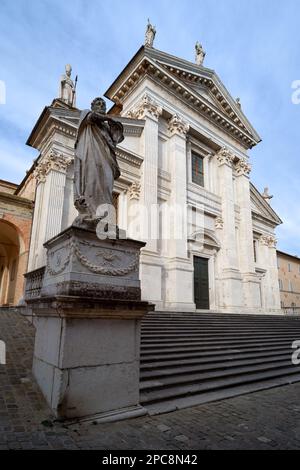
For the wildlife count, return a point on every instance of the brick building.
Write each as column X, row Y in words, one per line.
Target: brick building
column 16, row 209
column 289, row 281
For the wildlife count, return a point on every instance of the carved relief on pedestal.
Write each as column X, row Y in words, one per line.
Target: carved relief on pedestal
column 134, row 191
column 225, row 156
column 178, row 124
column 146, row 106
column 219, row 223
column 243, row 168
column 268, row 240
column 54, row 161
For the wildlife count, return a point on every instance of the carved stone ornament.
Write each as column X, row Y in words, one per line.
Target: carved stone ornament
column 219, row 223
column 268, row 240
column 135, row 191
column 177, row 124
column 59, row 260
column 146, row 106
column 225, row 156
column 54, row 161
column 243, row 168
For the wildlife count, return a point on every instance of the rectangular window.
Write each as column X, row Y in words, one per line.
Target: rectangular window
column 280, row 284
column 290, row 286
column 290, row 268
column 197, row 169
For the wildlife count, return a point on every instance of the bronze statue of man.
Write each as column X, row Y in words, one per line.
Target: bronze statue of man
column 95, row 167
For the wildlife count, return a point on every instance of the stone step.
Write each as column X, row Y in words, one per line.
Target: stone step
column 191, row 362
column 186, row 401
column 204, row 334
column 190, row 357
column 184, row 369
column 159, row 393
column 199, row 377
column 213, row 342
column 223, row 321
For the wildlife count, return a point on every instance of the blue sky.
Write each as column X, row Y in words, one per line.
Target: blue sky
column 254, row 46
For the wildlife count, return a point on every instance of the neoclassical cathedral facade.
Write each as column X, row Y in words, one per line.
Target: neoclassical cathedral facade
column 184, row 167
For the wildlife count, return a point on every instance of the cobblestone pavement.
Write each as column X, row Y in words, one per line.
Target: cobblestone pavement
column 263, row 420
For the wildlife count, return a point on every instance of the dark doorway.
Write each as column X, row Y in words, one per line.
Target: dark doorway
column 201, row 283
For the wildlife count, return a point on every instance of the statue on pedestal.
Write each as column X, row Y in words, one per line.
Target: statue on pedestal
column 95, row 166
column 67, row 92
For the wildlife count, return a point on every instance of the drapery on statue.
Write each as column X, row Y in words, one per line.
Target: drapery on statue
column 95, row 164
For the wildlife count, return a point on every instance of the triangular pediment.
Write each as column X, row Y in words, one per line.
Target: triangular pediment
column 199, row 86
column 261, row 208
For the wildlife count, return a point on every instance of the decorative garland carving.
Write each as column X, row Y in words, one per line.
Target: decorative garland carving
column 61, row 267
column 104, row 270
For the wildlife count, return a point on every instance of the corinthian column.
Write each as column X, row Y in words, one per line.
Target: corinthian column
column 179, row 270
column 232, row 296
column 151, row 271
column 50, row 175
column 251, row 281
column 270, row 283
column 150, row 111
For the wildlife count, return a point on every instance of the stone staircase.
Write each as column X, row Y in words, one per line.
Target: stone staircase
column 189, row 359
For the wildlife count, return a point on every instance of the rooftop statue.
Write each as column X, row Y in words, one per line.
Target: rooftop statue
column 67, row 92
column 95, row 166
column 150, row 34
column 200, row 54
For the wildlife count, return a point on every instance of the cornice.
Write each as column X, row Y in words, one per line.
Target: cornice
column 129, row 157
column 53, row 120
column 230, row 124
column 17, row 200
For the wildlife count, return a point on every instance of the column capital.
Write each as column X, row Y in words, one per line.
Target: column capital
column 135, row 191
column 243, row 168
column 178, row 125
column 219, row 223
column 225, row 157
column 268, row 240
column 146, row 106
column 53, row 161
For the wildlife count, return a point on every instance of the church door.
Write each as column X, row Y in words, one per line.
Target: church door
column 201, row 283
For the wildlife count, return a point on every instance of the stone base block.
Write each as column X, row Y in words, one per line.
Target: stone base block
column 87, row 366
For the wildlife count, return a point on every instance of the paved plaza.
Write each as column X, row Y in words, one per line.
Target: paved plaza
column 264, row 420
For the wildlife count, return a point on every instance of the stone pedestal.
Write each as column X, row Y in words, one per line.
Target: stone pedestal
column 88, row 309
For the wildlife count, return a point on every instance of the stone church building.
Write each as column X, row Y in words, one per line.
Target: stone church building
column 184, row 170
